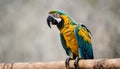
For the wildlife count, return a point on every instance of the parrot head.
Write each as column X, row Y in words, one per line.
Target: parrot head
column 56, row 18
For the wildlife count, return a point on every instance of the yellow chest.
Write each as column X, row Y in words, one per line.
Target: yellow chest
column 71, row 42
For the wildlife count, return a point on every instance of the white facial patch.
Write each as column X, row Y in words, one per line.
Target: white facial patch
column 58, row 19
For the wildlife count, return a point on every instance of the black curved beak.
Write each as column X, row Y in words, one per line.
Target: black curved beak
column 51, row 20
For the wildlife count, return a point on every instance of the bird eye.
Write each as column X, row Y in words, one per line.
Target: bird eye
column 56, row 13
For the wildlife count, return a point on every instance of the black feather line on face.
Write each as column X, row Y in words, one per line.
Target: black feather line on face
column 60, row 24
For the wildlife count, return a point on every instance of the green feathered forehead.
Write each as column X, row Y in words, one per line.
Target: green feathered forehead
column 57, row 11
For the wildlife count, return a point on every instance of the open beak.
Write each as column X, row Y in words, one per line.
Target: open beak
column 51, row 20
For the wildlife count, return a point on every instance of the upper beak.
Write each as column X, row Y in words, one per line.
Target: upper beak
column 50, row 20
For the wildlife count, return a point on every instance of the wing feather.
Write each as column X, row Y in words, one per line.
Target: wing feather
column 84, row 42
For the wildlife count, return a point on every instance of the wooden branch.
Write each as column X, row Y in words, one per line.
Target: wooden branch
column 83, row 64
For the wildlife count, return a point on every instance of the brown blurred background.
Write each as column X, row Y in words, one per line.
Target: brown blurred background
column 25, row 36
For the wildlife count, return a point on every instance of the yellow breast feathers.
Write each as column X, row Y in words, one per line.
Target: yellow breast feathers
column 68, row 33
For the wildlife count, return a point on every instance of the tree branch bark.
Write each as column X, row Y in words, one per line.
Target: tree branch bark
column 83, row 64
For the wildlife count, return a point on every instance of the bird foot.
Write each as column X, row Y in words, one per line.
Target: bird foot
column 76, row 62
column 67, row 62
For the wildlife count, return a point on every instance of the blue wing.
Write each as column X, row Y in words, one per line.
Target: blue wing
column 63, row 42
column 84, row 42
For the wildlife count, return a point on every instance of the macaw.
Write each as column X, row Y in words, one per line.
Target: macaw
column 75, row 38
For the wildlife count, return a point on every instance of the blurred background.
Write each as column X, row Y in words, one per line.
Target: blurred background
column 25, row 36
